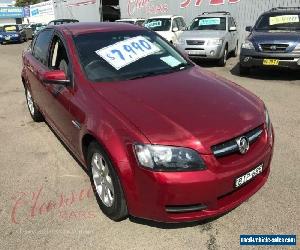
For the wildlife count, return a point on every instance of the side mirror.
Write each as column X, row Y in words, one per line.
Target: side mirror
column 232, row 29
column 175, row 29
column 56, row 77
column 249, row 28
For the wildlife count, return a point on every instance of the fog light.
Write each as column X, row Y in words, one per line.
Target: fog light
column 212, row 52
column 246, row 59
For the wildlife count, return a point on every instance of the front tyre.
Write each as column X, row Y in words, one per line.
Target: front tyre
column 223, row 60
column 106, row 184
column 35, row 114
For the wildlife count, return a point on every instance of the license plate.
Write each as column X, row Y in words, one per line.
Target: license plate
column 271, row 62
column 248, row 176
column 194, row 52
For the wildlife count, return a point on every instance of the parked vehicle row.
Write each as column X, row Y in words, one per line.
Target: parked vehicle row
column 212, row 35
column 274, row 41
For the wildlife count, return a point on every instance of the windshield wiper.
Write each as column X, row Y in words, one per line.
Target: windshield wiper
column 179, row 67
column 143, row 75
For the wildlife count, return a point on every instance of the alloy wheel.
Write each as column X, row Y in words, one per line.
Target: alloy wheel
column 102, row 179
column 30, row 103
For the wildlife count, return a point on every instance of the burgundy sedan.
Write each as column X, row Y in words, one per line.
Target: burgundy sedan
column 161, row 138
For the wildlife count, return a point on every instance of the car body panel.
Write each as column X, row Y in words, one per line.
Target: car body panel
column 188, row 124
column 194, row 108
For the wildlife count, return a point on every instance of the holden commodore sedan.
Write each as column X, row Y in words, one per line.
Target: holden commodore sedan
column 161, row 138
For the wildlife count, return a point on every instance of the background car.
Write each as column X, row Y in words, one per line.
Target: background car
column 161, row 138
column 37, row 29
column 62, row 21
column 274, row 41
column 12, row 34
column 212, row 35
column 137, row 21
column 169, row 27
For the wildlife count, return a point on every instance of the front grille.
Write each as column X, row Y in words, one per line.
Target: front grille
column 268, row 47
column 194, row 49
column 276, row 58
column 195, row 42
column 230, row 147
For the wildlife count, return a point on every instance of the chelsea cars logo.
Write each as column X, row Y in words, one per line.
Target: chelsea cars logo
column 243, row 144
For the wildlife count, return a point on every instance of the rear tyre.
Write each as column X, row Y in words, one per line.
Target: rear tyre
column 244, row 70
column 35, row 114
column 223, row 60
column 106, row 184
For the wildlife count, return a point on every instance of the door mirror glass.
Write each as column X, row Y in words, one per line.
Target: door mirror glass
column 56, row 77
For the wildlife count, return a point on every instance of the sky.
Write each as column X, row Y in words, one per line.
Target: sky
column 4, row 2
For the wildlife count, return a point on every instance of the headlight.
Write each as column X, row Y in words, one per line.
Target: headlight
column 1, row 36
column 247, row 45
column 297, row 49
column 267, row 119
column 215, row 42
column 16, row 35
column 165, row 158
column 268, row 123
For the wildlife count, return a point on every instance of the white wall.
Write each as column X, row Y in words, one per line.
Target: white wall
column 4, row 21
column 82, row 10
column 42, row 12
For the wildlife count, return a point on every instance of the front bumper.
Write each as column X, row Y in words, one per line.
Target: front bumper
column 252, row 58
column 202, row 51
column 192, row 196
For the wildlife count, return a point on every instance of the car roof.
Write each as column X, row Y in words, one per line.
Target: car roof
column 214, row 15
column 130, row 19
column 90, row 27
column 165, row 16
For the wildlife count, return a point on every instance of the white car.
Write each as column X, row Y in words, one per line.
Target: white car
column 169, row 27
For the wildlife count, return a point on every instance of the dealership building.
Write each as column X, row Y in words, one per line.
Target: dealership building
column 10, row 14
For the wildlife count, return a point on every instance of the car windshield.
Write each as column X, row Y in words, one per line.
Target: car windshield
column 278, row 21
column 126, row 55
column 158, row 24
column 208, row 23
column 10, row 28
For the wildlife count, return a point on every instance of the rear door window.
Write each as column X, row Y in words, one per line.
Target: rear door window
column 41, row 46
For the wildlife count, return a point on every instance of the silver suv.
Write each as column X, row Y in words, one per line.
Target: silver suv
column 212, row 35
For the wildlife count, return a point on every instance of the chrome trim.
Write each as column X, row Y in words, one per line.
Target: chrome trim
column 234, row 148
column 255, row 136
column 224, row 150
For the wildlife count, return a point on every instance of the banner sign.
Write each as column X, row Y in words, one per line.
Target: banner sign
column 11, row 12
column 42, row 9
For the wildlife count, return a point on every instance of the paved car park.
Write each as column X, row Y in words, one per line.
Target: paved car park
column 46, row 200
